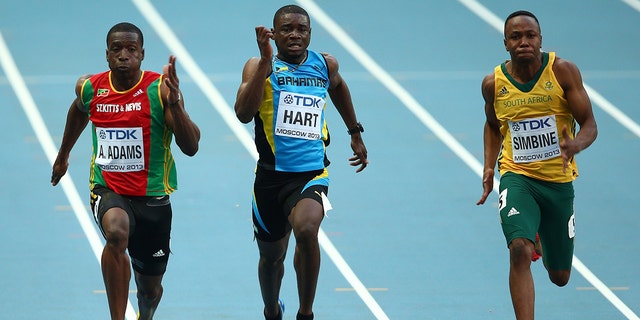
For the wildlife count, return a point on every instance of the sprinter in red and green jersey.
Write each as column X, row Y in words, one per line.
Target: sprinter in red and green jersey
column 134, row 115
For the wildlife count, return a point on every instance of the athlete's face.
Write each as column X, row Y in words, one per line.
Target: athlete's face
column 292, row 34
column 124, row 52
column 522, row 38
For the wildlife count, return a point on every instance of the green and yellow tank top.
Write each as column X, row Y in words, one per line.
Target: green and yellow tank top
column 531, row 117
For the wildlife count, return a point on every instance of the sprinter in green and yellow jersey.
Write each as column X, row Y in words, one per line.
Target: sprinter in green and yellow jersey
column 534, row 105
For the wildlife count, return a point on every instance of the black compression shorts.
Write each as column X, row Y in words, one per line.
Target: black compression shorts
column 149, row 227
column 276, row 193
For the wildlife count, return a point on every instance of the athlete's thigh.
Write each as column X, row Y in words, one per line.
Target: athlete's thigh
column 519, row 210
column 275, row 194
column 102, row 199
column 268, row 214
column 149, row 245
column 557, row 225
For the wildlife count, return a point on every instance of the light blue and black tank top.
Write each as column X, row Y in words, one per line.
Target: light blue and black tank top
column 291, row 132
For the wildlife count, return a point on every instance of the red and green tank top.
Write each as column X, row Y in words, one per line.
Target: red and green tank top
column 131, row 143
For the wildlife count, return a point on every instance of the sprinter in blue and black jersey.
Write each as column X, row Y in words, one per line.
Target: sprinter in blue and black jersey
column 285, row 95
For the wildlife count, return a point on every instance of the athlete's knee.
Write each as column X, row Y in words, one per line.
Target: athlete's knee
column 520, row 251
column 150, row 294
column 306, row 233
column 273, row 253
column 149, row 287
column 305, row 220
column 115, row 224
column 271, row 260
column 560, row 277
column 306, row 230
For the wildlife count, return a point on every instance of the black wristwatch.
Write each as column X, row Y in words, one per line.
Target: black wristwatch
column 357, row 128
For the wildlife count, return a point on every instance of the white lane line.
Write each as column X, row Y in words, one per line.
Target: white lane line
column 498, row 24
column 633, row 3
column 604, row 290
column 614, row 112
column 44, row 137
column 215, row 98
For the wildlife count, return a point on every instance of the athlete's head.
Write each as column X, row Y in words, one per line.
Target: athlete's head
column 522, row 36
column 125, row 50
column 520, row 13
column 291, row 33
column 292, row 8
column 126, row 27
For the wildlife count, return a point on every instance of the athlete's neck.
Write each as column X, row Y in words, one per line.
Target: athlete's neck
column 524, row 71
column 123, row 81
column 293, row 59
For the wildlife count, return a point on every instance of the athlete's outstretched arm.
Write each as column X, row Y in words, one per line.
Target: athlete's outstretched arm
column 341, row 98
column 76, row 122
column 492, row 138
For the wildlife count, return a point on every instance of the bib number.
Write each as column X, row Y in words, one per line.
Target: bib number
column 120, row 149
column 534, row 139
column 299, row 116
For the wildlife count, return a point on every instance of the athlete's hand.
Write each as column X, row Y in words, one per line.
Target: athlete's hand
column 487, row 185
column 359, row 153
column 568, row 148
column 172, row 82
column 60, row 167
column 263, row 37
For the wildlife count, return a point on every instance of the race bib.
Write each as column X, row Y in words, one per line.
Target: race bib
column 299, row 116
column 120, row 149
column 534, row 139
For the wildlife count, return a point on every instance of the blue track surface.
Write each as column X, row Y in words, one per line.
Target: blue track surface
column 407, row 226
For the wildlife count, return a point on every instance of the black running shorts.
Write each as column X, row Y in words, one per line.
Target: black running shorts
column 276, row 193
column 149, row 227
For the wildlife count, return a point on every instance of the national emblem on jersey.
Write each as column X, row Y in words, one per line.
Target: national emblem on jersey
column 103, row 92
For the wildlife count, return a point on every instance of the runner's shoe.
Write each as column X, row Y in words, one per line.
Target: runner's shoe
column 281, row 308
column 537, row 253
column 279, row 317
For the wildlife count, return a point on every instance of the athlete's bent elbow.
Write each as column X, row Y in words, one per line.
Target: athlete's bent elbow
column 190, row 152
column 244, row 118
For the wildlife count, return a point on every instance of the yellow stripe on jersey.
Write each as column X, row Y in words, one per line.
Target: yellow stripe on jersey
column 266, row 114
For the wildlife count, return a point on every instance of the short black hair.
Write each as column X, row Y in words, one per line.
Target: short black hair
column 126, row 27
column 292, row 8
column 521, row 13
